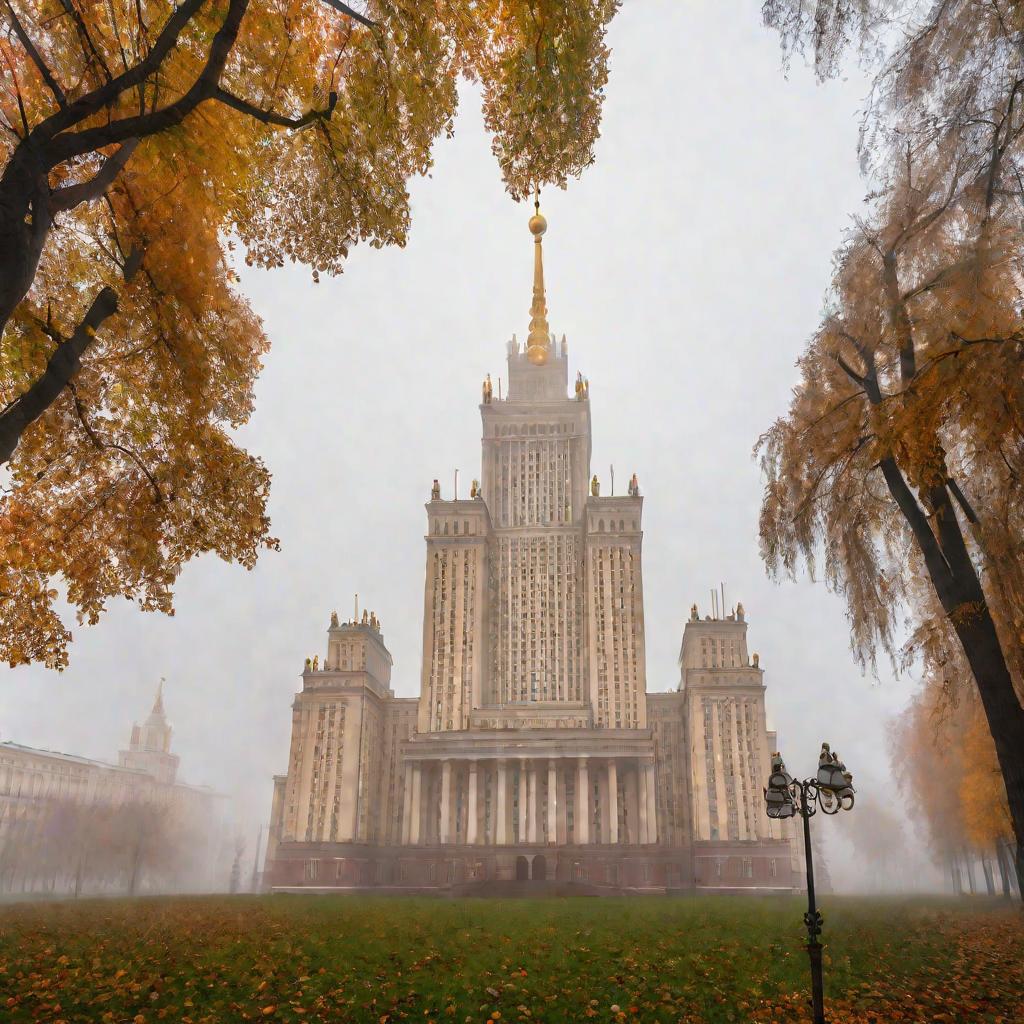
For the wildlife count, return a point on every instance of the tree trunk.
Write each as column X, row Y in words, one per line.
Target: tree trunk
column 1011, row 869
column 990, row 884
column 25, row 222
column 136, row 863
column 1004, row 713
column 1004, row 874
column 954, row 874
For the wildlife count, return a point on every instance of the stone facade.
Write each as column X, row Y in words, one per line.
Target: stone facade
column 534, row 750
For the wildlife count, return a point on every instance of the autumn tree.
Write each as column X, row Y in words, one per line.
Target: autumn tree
column 945, row 763
column 140, row 140
column 899, row 464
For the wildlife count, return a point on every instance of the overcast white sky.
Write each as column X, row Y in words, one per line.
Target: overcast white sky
column 686, row 268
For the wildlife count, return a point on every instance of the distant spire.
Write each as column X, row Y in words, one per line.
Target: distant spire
column 158, row 704
column 538, row 344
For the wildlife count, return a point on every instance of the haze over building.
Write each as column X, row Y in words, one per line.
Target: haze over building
column 71, row 823
column 534, row 750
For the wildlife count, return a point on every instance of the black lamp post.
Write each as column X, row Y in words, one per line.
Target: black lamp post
column 832, row 791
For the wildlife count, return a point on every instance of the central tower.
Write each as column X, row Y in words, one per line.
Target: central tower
column 534, row 596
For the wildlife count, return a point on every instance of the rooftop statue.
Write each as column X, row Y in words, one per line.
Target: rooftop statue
column 756, row 658
column 474, row 490
column 595, row 487
column 634, row 487
column 366, row 617
column 334, row 620
column 694, row 615
column 488, row 390
column 316, row 662
column 435, row 491
column 739, row 611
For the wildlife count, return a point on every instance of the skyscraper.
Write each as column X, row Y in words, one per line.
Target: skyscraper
column 534, row 750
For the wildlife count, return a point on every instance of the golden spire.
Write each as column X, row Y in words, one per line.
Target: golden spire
column 538, row 344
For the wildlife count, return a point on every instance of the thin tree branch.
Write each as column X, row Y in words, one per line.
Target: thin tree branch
column 345, row 9
column 36, row 58
column 962, row 501
column 269, row 116
column 64, row 147
column 102, row 445
column 96, row 100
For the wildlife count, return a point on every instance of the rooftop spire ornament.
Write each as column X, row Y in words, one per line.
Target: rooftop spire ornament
column 538, row 343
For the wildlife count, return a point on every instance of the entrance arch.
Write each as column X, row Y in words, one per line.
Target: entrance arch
column 540, row 868
column 522, row 869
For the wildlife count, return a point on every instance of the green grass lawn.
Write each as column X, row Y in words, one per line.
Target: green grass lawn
column 293, row 958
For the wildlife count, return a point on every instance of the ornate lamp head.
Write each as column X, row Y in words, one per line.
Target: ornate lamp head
column 778, row 797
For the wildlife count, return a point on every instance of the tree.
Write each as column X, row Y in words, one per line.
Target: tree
column 140, row 140
column 946, row 765
column 902, row 452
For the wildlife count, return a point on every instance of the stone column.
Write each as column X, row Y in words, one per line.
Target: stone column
column 501, row 831
column 446, row 802
column 471, row 810
column 522, row 801
column 531, row 833
column 407, row 804
column 552, row 802
column 613, row 802
column 417, row 784
column 652, row 803
column 582, row 802
column 563, row 803
column 644, row 810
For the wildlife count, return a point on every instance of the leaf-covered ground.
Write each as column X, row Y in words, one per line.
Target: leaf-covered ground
column 381, row 960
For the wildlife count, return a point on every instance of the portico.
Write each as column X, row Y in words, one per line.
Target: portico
column 530, row 788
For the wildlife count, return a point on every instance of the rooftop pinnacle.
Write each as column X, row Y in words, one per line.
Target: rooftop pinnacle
column 538, row 343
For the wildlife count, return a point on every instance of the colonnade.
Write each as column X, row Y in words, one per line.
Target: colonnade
column 525, row 801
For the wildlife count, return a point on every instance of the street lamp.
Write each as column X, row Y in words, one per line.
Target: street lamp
column 831, row 790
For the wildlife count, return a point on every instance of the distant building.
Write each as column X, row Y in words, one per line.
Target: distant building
column 534, row 750
column 150, row 746
column 47, row 796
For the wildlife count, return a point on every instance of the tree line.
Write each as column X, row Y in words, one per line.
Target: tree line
column 65, row 847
